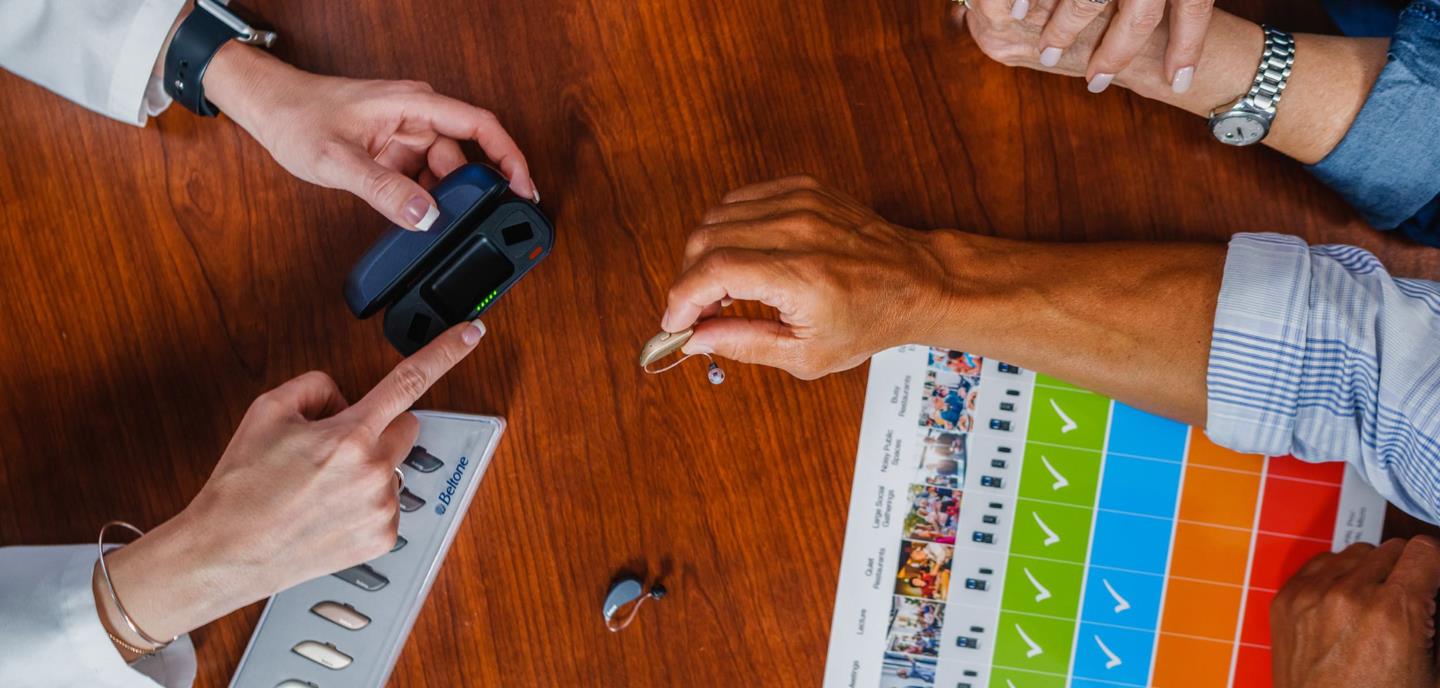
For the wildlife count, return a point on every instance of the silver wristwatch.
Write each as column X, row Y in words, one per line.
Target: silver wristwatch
column 1247, row 121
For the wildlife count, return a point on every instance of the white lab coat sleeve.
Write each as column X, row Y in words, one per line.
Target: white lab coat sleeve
column 98, row 53
column 50, row 631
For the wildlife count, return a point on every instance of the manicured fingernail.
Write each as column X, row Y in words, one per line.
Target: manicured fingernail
column 534, row 194
column 665, row 322
column 1100, row 82
column 1050, row 57
column 1019, row 9
column 1183, row 78
column 421, row 213
column 472, row 334
column 692, row 348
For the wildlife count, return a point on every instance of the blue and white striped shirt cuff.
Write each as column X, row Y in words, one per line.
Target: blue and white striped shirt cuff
column 1257, row 352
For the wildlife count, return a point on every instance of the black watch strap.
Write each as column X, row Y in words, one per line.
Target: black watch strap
column 193, row 46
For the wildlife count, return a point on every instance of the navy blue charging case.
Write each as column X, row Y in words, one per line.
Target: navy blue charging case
column 484, row 241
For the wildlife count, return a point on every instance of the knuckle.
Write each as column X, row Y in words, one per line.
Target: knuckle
column 808, row 218
column 806, row 181
column 486, row 119
column 1146, row 17
column 1390, row 598
column 380, row 183
column 352, row 442
column 996, row 46
column 267, row 404
column 317, row 377
column 411, row 380
column 699, row 241
column 1196, row 9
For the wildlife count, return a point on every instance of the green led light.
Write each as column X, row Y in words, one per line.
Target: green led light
column 486, row 301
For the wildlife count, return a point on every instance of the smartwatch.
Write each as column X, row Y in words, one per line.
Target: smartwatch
column 1247, row 121
column 210, row 25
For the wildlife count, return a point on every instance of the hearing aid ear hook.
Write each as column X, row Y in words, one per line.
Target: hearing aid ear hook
column 667, row 343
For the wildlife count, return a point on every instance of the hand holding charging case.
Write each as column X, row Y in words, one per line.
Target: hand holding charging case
column 484, row 241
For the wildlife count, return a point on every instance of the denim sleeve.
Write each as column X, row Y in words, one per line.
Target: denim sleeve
column 1318, row 352
column 1388, row 165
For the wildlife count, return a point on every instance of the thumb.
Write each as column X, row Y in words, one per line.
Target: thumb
column 747, row 340
column 394, row 195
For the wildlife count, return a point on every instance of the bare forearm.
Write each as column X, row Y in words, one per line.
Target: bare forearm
column 1129, row 320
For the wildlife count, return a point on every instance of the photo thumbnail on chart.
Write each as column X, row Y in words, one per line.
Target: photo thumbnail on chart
column 933, row 514
column 924, row 569
column 949, row 401
column 942, row 459
column 906, row 671
column 915, row 626
column 958, row 362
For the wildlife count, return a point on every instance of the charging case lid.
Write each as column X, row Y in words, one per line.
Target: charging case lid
column 401, row 253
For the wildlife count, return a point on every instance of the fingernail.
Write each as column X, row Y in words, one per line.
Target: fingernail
column 1100, row 82
column 1019, row 9
column 1183, row 78
column 692, row 348
column 1050, row 57
column 421, row 213
column 472, row 334
column 534, row 194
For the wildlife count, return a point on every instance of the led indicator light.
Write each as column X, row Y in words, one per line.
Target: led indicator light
column 486, row 301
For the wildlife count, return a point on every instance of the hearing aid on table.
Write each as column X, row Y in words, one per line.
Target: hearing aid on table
column 666, row 344
column 624, row 600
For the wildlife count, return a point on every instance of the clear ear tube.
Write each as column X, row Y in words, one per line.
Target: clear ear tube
column 667, row 344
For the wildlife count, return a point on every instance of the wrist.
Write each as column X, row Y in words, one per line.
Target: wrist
column 241, row 81
column 975, row 280
column 1225, row 71
column 172, row 581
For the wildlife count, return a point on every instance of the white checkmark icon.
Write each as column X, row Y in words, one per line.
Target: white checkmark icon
column 1060, row 480
column 1035, row 649
column 1050, row 536
column 1121, row 604
column 1069, row 424
column 1041, row 594
column 1114, row 661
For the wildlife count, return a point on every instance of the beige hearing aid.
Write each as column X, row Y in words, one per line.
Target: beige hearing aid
column 666, row 344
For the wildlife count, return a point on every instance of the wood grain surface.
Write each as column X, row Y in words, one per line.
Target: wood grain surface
column 156, row 280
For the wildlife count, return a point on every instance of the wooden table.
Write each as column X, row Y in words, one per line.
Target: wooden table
column 157, row 280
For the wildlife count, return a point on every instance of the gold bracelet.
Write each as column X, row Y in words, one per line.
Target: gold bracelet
column 116, row 639
column 109, row 586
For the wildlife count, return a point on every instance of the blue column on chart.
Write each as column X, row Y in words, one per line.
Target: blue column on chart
column 1125, row 573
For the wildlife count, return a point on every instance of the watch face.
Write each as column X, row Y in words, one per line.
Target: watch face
column 1238, row 128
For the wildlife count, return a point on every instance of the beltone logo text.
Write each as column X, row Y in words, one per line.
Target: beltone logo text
column 451, row 485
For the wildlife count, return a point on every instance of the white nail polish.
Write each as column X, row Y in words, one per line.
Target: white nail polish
column 1100, row 82
column 1019, row 9
column 475, row 332
column 1050, row 57
column 426, row 222
column 535, row 197
column 1184, row 77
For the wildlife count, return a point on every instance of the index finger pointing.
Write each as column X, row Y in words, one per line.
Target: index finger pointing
column 460, row 120
column 404, row 385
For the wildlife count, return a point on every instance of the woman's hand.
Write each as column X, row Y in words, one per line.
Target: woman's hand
column 1097, row 41
column 846, row 282
column 371, row 138
column 307, row 487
